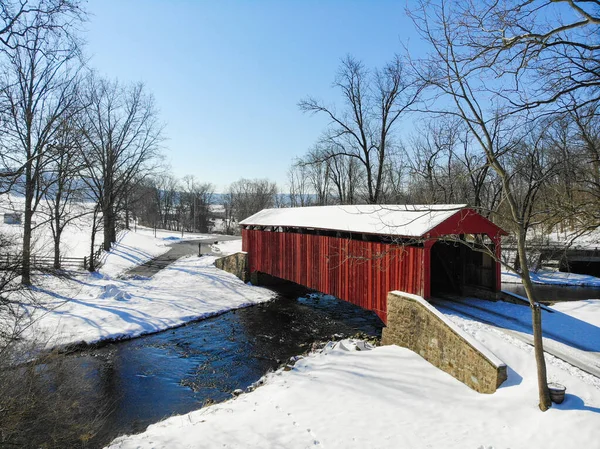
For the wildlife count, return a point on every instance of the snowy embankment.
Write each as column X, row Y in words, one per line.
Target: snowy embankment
column 175, row 236
column 389, row 397
column 587, row 310
column 99, row 306
column 551, row 277
column 132, row 249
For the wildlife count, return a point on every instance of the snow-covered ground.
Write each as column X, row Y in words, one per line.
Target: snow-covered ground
column 588, row 240
column 76, row 237
column 389, row 397
column 568, row 337
column 92, row 307
column 98, row 306
column 229, row 247
column 588, row 310
column 132, row 249
column 175, row 236
column 351, row 395
column 552, row 277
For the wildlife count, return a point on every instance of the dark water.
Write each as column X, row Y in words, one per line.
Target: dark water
column 144, row 380
column 556, row 293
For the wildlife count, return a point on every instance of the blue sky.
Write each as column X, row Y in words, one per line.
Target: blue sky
column 227, row 75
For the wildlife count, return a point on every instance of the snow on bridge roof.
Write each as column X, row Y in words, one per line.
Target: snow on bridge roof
column 397, row 220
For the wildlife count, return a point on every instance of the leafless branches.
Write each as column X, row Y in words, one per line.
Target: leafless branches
column 121, row 141
column 374, row 102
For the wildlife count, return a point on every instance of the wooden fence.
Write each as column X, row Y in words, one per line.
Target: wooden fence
column 96, row 256
column 14, row 261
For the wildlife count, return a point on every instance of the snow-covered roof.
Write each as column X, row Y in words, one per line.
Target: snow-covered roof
column 396, row 220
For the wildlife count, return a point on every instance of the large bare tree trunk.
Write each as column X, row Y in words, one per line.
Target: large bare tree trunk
column 108, row 225
column 536, row 322
column 26, row 262
column 92, row 263
column 56, row 264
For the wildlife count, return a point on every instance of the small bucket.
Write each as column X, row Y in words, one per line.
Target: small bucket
column 557, row 392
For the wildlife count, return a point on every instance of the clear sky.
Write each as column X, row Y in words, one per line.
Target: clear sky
column 227, row 75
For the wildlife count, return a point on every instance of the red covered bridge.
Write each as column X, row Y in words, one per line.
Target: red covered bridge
column 360, row 253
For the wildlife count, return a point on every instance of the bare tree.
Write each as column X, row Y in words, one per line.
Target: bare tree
column 229, row 215
column 549, row 49
column 165, row 191
column 299, row 193
column 40, row 92
column 446, row 167
column 122, row 137
column 64, row 189
column 374, row 103
column 457, row 72
column 317, row 168
column 249, row 196
column 197, row 198
column 583, row 151
column 19, row 17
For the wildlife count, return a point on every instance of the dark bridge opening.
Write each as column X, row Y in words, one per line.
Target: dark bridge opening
column 457, row 269
column 589, row 267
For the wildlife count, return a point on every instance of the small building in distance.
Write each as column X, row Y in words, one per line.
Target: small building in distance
column 12, row 218
column 360, row 253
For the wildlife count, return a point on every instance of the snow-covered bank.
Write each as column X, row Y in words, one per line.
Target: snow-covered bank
column 132, row 249
column 93, row 308
column 387, row 397
column 550, row 277
column 588, row 310
column 229, row 247
column 99, row 306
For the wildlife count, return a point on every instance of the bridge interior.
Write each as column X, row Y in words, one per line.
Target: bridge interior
column 456, row 265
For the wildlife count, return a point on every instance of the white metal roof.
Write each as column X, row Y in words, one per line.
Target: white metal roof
column 397, row 220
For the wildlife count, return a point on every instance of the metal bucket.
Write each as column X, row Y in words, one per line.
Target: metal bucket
column 557, row 392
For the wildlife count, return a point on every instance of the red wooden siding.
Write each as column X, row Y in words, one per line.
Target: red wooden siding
column 359, row 272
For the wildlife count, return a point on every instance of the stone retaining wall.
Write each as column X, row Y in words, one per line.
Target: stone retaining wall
column 415, row 324
column 236, row 264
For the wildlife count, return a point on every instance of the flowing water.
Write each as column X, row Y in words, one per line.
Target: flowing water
column 144, row 380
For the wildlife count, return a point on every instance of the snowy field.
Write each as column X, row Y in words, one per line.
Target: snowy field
column 76, row 237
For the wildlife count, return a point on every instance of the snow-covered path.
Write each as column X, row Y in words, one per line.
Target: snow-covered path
column 566, row 337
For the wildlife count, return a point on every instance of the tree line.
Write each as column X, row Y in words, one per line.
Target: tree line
column 71, row 138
